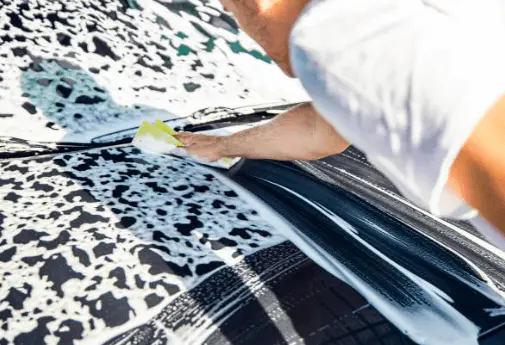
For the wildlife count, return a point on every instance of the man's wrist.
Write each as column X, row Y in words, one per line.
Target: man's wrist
column 224, row 145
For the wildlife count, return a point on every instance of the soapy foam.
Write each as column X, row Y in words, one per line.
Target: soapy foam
column 430, row 319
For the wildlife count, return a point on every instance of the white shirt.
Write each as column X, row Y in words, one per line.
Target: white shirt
column 405, row 81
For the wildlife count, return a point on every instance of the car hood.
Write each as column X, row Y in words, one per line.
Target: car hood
column 103, row 243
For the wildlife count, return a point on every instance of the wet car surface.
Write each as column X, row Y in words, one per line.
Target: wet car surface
column 103, row 243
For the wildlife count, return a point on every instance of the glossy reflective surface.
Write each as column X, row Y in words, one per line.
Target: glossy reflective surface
column 102, row 243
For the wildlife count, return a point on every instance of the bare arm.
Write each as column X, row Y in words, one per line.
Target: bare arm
column 300, row 133
column 478, row 174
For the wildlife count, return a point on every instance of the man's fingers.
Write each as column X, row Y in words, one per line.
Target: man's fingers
column 201, row 146
column 194, row 151
column 190, row 150
column 201, row 154
column 186, row 138
column 179, row 151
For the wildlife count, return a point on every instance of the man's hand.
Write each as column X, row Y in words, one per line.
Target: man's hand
column 299, row 133
column 206, row 147
column 269, row 23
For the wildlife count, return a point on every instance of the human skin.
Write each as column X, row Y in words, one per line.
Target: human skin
column 300, row 133
column 477, row 175
column 269, row 23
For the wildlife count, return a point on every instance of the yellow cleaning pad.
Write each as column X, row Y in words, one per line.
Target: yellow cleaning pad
column 159, row 138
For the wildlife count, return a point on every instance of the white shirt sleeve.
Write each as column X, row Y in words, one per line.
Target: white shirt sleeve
column 405, row 81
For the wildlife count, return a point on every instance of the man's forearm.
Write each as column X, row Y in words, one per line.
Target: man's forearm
column 300, row 133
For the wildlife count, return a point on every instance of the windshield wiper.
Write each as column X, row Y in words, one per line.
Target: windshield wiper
column 202, row 120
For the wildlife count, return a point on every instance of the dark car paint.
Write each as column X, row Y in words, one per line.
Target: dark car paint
column 321, row 308
column 307, row 303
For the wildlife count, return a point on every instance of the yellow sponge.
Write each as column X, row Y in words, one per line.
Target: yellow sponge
column 159, row 138
column 164, row 127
